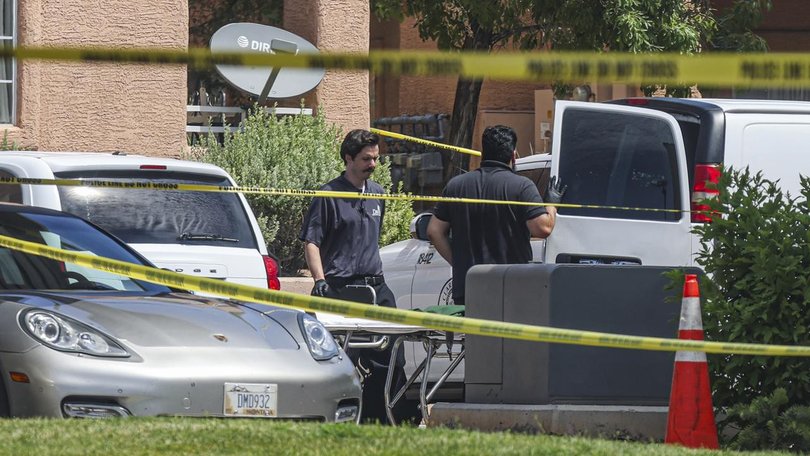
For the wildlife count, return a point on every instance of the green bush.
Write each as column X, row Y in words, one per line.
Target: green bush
column 296, row 152
column 769, row 423
column 398, row 213
column 758, row 259
column 6, row 145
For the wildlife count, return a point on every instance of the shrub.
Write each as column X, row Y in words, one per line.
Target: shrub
column 758, row 259
column 769, row 423
column 6, row 145
column 295, row 152
column 398, row 213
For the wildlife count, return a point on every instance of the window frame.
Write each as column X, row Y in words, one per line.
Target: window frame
column 13, row 81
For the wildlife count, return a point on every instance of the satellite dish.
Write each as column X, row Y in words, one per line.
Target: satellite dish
column 265, row 82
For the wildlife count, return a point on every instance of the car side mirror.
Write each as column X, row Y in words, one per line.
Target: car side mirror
column 419, row 226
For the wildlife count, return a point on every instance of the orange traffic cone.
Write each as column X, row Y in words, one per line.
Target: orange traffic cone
column 691, row 416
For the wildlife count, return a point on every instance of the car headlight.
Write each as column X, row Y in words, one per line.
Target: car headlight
column 64, row 334
column 321, row 344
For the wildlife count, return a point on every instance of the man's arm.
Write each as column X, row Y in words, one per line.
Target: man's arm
column 438, row 232
column 312, row 253
column 542, row 225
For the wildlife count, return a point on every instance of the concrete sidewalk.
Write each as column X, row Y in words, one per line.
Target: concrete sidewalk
column 302, row 285
column 611, row 421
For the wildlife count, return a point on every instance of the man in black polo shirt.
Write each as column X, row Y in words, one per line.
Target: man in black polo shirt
column 491, row 233
column 342, row 235
column 342, row 251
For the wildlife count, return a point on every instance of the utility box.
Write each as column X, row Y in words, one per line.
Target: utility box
column 543, row 119
column 627, row 300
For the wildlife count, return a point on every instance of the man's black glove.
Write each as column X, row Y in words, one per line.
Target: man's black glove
column 555, row 191
column 321, row 288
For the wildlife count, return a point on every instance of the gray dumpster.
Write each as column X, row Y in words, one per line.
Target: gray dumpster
column 616, row 299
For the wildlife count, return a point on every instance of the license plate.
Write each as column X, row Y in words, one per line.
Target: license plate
column 256, row 400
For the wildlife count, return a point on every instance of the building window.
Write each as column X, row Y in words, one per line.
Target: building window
column 8, row 66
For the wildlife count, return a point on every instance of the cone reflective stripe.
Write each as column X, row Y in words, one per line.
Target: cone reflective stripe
column 691, row 323
column 690, row 421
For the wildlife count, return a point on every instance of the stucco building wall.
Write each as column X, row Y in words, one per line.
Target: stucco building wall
column 66, row 106
column 335, row 26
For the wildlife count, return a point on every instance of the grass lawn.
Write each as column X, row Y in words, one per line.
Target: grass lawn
column 221, row 437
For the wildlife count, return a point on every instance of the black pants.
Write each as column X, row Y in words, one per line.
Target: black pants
column 373, row 364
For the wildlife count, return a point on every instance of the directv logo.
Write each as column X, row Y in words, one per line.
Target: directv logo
column 275, row 45
column 261, row 46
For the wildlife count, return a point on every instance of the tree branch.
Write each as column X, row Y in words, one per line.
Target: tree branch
column 514, row 32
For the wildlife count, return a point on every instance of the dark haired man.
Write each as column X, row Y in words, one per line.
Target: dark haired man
column 491, row 233
column 342, row 251
column 342, row 235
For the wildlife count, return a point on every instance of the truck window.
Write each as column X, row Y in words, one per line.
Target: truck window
column 620, row 160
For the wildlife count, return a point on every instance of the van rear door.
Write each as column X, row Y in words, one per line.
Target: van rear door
column 625, row 169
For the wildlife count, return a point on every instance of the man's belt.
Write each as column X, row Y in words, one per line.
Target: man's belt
column 356, row 280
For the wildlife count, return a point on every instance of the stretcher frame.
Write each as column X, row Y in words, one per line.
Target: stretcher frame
column 432, row 340
column 377, row 335
column 381, row 334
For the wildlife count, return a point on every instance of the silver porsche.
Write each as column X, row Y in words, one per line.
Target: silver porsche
column 77, row 342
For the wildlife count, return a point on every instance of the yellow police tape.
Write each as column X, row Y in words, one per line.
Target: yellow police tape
column 422, row 319
column 711, row 69
column 425, row 142
column 133, row 185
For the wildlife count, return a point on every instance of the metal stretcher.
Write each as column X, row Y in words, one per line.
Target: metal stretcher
column 432, row 340
column 372, row 334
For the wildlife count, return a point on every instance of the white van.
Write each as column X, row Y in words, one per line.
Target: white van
column 206, row 234
column 654, row 154
column 659, row 154
column 651, row 153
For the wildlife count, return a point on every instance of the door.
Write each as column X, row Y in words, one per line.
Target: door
column 628, row 164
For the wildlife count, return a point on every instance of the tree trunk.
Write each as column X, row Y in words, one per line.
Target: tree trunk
column 462, row 123
column 465, row 106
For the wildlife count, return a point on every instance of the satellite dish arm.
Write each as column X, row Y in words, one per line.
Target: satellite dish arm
column 279, row 47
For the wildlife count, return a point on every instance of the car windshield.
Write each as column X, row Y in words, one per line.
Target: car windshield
column 161, row 216
column 24, row 271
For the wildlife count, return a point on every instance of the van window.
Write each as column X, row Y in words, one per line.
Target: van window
column 623, row 160
column 160, row 216
column 10, row 193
